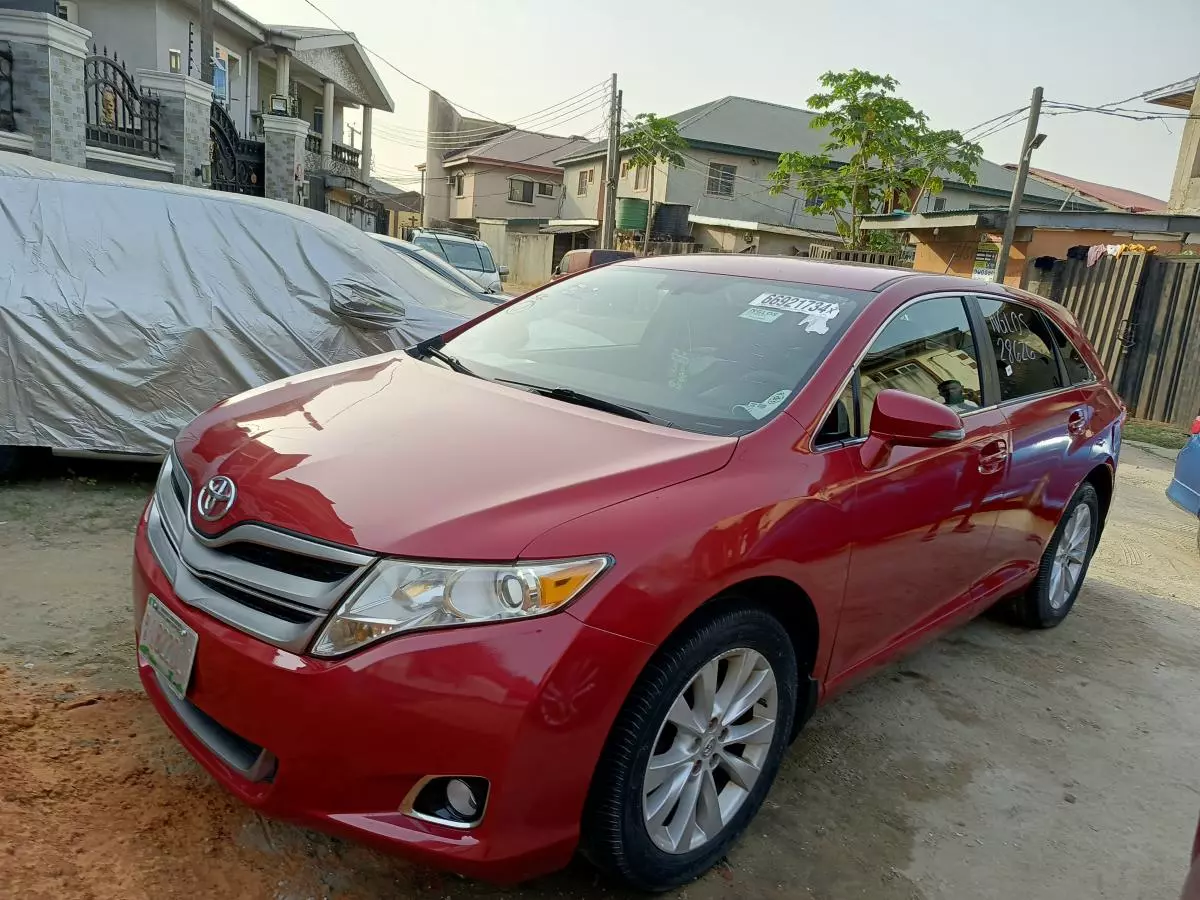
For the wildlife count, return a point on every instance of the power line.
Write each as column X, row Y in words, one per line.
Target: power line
column 524, row 121
column 571, row 114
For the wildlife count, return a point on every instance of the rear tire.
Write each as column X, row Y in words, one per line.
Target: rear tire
column 668, row 800
column 1064, row 564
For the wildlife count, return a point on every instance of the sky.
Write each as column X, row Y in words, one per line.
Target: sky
column 961, row 64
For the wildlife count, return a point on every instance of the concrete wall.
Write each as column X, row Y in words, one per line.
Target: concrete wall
column 127, row 28
column 1185, row 186
column 586, row 205
column 485, row 194
column 529, row 258
column 441, row 119
column 763, row 243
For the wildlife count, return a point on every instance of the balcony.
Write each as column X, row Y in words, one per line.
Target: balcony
column 343, row 160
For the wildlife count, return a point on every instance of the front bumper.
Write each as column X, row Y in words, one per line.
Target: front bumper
column 527, row 705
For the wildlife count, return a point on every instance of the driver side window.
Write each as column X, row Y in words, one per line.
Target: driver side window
column 927, row 349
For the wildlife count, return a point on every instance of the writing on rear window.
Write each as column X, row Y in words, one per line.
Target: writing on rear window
column 1010, row 349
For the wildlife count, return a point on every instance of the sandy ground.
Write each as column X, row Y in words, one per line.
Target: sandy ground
column 994, row 763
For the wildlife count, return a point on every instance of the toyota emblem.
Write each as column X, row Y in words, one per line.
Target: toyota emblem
column 216, row 498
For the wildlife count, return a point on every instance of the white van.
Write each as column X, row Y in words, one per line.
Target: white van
column 469, row 256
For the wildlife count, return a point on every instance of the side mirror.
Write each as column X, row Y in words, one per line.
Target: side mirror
column 503, row 270
column 365, row 307
column 900, row 419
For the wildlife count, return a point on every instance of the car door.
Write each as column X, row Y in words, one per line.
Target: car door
column 922, row 520
column 1052, row 421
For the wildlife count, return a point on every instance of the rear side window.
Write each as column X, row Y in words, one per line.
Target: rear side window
column 1023, row 348
column 1078, row 371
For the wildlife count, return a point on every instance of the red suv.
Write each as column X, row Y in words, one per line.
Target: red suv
column 576, row 574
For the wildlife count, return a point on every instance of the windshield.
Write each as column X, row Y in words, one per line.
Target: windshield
column 717, row 354
column 469, row 256
column 436, row 264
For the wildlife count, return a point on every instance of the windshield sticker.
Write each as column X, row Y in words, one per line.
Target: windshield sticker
column 680, row 364
column 761, row 315
column 761, row 408
column 817, row 313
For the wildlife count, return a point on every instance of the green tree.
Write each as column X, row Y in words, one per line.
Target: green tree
column 880, row 154
column 652, row 140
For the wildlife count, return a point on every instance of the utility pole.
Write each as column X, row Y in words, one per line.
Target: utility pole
column 1030, row 143
column 353, row 129
column 206, row 41
column 612, row 165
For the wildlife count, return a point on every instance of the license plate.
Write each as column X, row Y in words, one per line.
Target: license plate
column 168, row 645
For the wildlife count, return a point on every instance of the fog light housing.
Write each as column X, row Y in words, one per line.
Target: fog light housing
column 454, row 801
column 461, row 799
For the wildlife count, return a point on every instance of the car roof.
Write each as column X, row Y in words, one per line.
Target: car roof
column 446, row 236
column 782, row 268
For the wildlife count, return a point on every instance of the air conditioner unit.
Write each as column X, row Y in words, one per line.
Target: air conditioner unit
column 68, row 10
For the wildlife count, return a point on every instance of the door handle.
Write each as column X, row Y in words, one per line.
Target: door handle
column 1076, row 422
column 992, row 457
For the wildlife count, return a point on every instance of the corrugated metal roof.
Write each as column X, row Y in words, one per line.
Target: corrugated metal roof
column 1119, row 198
column 528, row 147
column 770, row 128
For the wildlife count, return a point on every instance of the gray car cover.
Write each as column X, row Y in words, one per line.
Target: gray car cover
column 127, row 307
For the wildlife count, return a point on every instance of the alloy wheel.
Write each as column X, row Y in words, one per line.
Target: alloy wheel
column 710, row 750
column 1071, row 556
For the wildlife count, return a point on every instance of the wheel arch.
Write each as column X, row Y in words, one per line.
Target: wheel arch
column 1101, row 478
column 791, row 605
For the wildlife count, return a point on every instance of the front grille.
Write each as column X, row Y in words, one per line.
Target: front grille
column 304, row 566
column 272, row 584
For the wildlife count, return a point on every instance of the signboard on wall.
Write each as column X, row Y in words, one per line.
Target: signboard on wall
column 986, row 258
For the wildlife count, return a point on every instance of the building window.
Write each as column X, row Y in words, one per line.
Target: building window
column 641, row 178
column 458, row 184
column 813, row 201
column 939, row 204
column 520, row 191
column 318, row 123
column 720, row 179
column 545, row 189
column 581, row 189
column 624, row 169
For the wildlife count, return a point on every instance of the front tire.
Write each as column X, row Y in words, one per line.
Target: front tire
column 694, row 750
column 1064, row 563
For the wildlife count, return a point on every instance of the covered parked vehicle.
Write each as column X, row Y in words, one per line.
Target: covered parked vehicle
column 127, row 307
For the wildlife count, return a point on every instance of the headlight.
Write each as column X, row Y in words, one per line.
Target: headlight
column 407, row 596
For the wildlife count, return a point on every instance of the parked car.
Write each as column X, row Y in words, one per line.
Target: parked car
column 577, row 260
column 128, row 306
column 1184, row 490
column 471, row 257
column 436, row 264
column 487, row 604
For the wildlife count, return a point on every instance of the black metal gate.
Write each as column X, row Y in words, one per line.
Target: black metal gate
column 237, row 162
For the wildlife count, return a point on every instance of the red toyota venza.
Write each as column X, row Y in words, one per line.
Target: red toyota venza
column 573, row 576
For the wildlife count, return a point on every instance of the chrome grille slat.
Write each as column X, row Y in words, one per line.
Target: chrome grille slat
column 262, row 600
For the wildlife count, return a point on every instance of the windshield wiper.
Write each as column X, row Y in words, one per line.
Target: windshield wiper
column 433, row 347
column 569, row 395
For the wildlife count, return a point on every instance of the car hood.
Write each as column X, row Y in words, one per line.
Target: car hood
column 401, row 456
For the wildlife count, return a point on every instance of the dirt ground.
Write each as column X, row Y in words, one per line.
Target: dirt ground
column 994, row 763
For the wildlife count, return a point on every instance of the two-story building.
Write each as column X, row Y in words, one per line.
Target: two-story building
column 143, row 111
column 733, row 145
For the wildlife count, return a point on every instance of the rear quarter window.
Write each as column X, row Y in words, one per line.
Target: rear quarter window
column 1078, row 371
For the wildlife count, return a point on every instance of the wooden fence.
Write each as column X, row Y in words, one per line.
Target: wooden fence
column 1142, row 314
